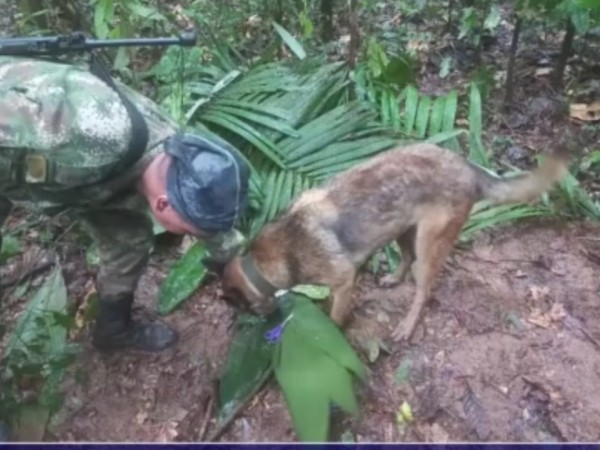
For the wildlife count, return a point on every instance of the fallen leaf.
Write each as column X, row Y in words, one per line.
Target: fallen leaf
column 186, row 243
column 476, row 415
column 168, row 432
column 543, row 71
column 557, row 312
column 538, row 292
column 406, row 411
column 347, row 437
column 538, row 318
column 585, row 112
column 403, row 371
column 438, row 433
column 141, row 417
column 82, row 313
column 383, row 317
column 372, row 349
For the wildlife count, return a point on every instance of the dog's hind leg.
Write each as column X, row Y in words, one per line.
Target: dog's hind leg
column 436, row 234
column 407, row 246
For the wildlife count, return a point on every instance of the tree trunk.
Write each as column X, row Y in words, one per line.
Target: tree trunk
column 561, row 64
column 354, row 35
column 510, row 69
column 450, row 11
column 326, row 20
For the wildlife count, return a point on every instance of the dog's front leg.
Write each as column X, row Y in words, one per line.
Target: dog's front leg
column 342, row 302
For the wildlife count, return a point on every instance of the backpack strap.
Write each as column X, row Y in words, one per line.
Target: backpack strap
column 138, row 141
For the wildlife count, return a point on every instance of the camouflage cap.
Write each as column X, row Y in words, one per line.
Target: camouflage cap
column 207, row 181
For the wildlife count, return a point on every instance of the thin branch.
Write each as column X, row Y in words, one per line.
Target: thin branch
column 222, row 427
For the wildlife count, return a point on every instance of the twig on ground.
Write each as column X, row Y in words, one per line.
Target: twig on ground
column 207, row 413
column 216, row 434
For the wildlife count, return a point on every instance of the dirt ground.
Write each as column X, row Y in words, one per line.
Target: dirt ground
column 507, row 351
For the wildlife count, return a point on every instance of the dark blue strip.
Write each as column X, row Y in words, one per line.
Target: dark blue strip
column 296, row 446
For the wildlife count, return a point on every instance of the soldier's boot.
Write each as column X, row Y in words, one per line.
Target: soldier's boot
column 116, row 329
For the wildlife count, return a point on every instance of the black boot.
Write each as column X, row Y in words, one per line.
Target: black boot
column 115, row 329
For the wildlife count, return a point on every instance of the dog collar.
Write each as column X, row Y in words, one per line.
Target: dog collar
column 256, row 278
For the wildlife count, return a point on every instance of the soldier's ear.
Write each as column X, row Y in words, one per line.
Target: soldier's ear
column 161, row 203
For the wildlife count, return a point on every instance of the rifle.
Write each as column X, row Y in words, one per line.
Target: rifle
column 78, row 42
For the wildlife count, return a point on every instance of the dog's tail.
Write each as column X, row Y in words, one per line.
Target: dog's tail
column 524, row 187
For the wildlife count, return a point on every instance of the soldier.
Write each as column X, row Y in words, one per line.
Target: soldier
column 76, row 143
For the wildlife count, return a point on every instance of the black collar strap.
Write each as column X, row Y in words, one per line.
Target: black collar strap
column 256, row 278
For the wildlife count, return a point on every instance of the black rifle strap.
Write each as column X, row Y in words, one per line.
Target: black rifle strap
column 139, row 128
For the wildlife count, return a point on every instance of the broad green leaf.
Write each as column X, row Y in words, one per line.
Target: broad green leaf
column 290, row 41
column 386, row 99
column 10, row 247
column 450, row 111
column 445, row 66
column 260, row 119
column 92, row 255
column 493, row 18
column 577, row 198
column 485, row 215
column 590, row 161
column 309, row 374
column 410, row 108
column 581, row 20
column 588, row 3
column 299, row 374
column 477, row 152
column 143, row 11
column 38, row 328
column 246, row 131
column 393, row 256
column 437, row 116
column 247, row 364
column 399, row 71
column 51, row 297
column 321, row 333
column 275, row 200
column 422, row 116
column 183, row 279
column 403, row 371
column 103, row 15
column 312, row 291
column 448, row 122
column 444, row 136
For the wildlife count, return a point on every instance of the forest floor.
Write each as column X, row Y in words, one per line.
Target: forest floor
column 508, row 349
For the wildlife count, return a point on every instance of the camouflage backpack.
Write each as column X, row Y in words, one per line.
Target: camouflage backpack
column 64, row 125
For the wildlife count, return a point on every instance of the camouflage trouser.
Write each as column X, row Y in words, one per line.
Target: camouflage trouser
column 124, row 239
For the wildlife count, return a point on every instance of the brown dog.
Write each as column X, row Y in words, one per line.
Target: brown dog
column 420, row 196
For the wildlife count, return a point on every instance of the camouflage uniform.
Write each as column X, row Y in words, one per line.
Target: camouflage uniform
column 70, row 116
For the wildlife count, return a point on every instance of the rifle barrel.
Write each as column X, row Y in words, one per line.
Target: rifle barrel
column 78, row 42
